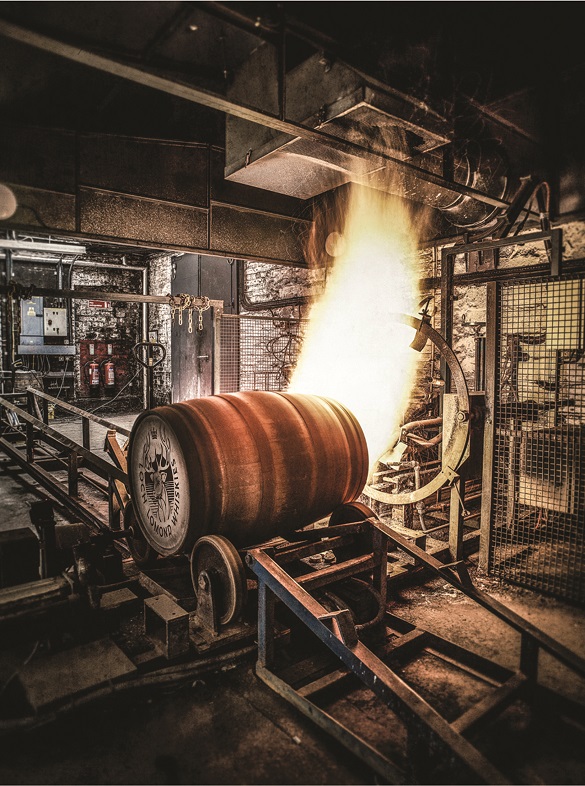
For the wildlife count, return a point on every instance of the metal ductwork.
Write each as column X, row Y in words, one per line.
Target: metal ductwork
column 335, row 98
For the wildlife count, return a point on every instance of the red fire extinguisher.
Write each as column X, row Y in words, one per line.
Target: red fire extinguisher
column 92, row 376
column 109, row 375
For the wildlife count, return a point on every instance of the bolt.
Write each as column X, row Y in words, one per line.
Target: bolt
column 203, row 581
column 462, row 416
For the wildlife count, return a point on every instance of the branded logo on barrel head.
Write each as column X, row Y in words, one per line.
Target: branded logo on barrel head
column 159, row 483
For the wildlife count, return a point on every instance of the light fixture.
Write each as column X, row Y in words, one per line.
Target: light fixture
column 33, row 245
column 8, row 203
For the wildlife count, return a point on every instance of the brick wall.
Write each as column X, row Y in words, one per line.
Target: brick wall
column 118, row 324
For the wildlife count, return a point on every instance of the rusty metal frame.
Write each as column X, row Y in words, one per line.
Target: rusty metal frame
column 426, row 728
column 38, row 431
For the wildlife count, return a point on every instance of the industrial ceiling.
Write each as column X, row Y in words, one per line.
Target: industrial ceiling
column 459, row 101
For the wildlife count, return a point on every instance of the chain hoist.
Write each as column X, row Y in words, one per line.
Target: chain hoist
column 185, row 302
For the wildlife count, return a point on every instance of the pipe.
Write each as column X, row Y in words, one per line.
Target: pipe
column 426, row 443
column 144, row 321
column 421, row 424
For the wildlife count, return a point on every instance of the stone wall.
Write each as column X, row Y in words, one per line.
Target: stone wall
column 270, row 282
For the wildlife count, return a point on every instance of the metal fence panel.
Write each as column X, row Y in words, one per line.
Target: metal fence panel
column 257, row 353
column 538, row 514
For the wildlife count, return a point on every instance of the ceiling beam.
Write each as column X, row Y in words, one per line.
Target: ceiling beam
column 220, row 103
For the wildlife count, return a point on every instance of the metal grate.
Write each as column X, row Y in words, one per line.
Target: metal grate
column 257, row 353
column 537, row 535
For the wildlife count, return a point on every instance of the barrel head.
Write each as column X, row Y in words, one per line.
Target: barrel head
column 159, row 483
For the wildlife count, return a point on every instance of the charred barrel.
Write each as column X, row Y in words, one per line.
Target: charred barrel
column 249, row 466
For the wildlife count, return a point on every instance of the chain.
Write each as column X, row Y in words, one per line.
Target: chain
column 173, row 307
column 184, row 301
column 201, row 309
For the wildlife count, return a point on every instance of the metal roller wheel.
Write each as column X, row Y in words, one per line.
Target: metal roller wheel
column 350, row 513
column 140, row 549
column 216, row 554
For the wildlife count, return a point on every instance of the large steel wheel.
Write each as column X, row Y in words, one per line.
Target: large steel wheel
column 217, row 556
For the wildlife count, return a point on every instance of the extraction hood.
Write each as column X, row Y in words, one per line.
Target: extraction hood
column 332, row 97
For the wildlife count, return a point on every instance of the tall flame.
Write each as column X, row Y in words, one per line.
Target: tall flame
column 354, row 350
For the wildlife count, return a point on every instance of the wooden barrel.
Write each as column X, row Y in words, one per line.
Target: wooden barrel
column 245, row 465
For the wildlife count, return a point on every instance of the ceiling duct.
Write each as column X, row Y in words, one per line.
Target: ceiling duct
column 335, row 98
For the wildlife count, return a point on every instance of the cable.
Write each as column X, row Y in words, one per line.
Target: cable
column 110, row 400
column 63, row 377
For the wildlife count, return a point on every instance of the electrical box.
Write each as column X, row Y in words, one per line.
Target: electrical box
column 31, row 321
column 55, row 322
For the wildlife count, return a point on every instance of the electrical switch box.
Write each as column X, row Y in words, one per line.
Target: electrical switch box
column 55, row 322
column 31, row 321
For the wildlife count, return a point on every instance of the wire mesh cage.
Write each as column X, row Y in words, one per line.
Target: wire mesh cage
column 538, row 515
column 257, row 352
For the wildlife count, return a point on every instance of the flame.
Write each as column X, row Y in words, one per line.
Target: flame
column 354, row 351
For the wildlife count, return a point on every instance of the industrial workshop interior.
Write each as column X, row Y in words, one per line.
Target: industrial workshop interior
column 292, row 393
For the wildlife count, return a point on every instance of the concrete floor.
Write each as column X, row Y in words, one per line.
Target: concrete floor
column 227, row 727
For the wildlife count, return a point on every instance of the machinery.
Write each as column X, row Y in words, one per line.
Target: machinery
column 242, row 513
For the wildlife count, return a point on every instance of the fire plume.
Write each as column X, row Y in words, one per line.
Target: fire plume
column 354, row 351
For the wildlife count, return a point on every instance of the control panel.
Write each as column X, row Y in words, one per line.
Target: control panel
column 55, row 322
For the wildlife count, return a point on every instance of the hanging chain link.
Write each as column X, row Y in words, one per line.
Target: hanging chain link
column 184, row 301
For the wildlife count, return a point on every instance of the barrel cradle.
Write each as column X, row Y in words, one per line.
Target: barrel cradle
column 248, row 466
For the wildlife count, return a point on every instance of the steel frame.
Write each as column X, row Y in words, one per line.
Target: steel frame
column 428, row 732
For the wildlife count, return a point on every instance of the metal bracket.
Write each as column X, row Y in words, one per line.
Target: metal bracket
column 478, row 261
column 207, row 615
column 342, row 625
